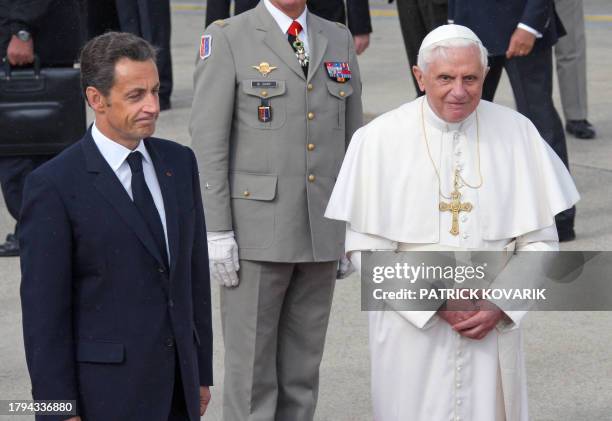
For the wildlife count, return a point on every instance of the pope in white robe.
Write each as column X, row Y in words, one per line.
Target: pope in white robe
column 397, row 171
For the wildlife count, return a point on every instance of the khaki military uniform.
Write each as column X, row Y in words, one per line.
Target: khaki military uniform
column 270, row 182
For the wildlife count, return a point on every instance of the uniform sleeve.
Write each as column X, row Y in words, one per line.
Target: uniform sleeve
column 200, row 278
column 359, row 21
column 354, row 108
column 45, row 238
column 210, row 127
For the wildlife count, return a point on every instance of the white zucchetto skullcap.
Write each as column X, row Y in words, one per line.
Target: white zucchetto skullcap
column 448, row 32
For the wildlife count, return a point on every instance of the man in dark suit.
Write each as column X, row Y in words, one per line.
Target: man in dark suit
column 358, row 11
column 149, row 19
column 51, row 30
column 417, row 19
column 115, row 284
column 519, row 36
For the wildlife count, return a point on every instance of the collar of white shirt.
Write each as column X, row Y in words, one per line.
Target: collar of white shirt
column 284, row 21
column 114, row 153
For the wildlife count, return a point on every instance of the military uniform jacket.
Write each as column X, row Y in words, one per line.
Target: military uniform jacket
column 270, row 181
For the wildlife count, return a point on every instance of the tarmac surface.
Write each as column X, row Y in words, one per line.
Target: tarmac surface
column 569, row 357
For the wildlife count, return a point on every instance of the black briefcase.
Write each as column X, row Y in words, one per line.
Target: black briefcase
column 41, row 109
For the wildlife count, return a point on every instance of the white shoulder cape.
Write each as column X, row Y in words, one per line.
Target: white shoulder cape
column 388, row 187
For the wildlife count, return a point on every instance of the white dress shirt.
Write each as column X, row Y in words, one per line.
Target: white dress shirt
column 284, row 22
column 116, row 156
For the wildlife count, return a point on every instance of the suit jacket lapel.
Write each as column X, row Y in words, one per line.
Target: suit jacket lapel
column 165, row 177
column 276, row 40
column 318, row 46
column 107, row 183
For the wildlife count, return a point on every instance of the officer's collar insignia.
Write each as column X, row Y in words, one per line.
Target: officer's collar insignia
column 338, row 71
column 264, row 68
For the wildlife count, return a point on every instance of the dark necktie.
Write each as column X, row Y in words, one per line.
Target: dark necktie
column 292, row 35
column 145, row 204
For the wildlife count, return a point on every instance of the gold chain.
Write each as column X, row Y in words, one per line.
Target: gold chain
column 457, row 175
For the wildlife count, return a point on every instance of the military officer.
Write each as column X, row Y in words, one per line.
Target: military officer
column 277, row 99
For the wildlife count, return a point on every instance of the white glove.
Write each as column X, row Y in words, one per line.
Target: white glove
column 223, row 258
column 345, row 268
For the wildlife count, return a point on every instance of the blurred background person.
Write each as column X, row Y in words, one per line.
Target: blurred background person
column 570, row 54
column 357, row 12
column 519, row 35
column 52, row 30
column 149, row 19
column 417, row 19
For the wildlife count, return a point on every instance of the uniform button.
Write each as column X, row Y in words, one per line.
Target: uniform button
column 458, row 385
column 458, row 353
column 170, row 303
column 464, row 218
column 458, row 419
column 458, row 367
column 311, row 116
column 310, row 87
column 342, row 94
column 169, row 342
column 311, row 146
column 466, row 235
column 264, row 93
column 458, row 402
column 161, row 269
column 311, row 178
column 246, row 193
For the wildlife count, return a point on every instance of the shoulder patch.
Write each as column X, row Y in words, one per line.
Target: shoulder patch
column 220, row 22
column 205, row 46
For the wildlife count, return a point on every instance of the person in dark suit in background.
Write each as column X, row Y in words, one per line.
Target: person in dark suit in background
column 115, row 285
column 519, row 35
column 357, row 12
column 149, row 19
column 50, row 29
column 417, row 19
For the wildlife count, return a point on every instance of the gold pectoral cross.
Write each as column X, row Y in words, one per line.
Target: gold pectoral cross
column 455, row 206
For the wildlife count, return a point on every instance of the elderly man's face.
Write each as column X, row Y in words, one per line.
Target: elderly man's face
column 292, row 8
column 453, row 84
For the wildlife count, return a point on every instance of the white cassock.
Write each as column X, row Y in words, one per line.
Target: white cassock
column 387, row 192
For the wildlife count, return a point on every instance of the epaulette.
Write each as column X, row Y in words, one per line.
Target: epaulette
column 220, row 22
column 341, row 25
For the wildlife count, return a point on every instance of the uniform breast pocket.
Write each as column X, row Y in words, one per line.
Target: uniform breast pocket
column 340, row 91
column 263, row 104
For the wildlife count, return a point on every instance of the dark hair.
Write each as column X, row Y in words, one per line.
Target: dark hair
column 100, row 54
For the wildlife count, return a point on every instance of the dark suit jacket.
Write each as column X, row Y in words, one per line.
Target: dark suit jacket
column 358, row 11
column 102, row 318
column 55, row 25
column 494, row 21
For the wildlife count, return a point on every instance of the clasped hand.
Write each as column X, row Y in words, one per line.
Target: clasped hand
column 471, row 319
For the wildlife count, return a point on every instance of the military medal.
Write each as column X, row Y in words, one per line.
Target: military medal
column 338, row 71
column 264, row 111
column 300, row 52
column 264, row 68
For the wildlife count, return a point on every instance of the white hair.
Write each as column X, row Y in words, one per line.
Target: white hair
column 428, row 54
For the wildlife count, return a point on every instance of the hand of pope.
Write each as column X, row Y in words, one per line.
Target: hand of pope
column 456, row 311
column 521, row 43
column 481, row 323
column 361, row 43
column 204, row 399
column 223, row 258
column 20, row 52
